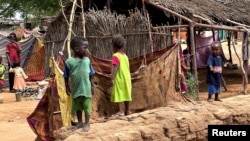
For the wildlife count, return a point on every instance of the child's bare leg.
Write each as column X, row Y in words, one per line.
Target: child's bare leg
column 121, row 111
column 127, row 108
column 79, row 119
column 86, row 125
column 217, row 97
column 209, row 99
column 183, row 83
column 120, row 105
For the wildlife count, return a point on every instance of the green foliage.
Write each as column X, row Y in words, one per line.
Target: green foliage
column 192, row 87
column 29, row 9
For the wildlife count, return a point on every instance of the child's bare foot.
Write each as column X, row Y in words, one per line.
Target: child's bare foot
column 128, row 113
column 210, row 100
column 86, row 127
column 118, row 114
column 218, row 100
column 78, row 126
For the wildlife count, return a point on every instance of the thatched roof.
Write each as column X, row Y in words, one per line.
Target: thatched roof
column 216, row 10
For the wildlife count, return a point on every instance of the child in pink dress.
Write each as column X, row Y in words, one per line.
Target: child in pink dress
column 20, row 76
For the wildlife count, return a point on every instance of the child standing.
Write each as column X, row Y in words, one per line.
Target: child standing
column 121, row 78
column 20, row 76
column 80, row 71
column 214, row 71
column 2, row 72
column 13, row 54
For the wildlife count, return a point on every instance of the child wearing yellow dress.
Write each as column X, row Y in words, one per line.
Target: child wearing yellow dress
column 121, row 78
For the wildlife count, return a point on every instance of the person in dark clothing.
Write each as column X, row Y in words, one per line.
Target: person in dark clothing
column 13, row 50
column 214, row 71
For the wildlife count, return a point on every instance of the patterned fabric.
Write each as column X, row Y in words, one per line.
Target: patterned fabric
column 46, row 118
column 203, row 49
column 2, row 71
column 154, row 78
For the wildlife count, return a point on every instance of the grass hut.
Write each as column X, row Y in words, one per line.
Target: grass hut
column 147, row 26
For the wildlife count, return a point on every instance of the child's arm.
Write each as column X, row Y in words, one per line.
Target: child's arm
column 92, row 73
column 210, row 63
column 115, row 66
column 24, row 75
column 114, row 71
column 211, row 68
column 66, row 79
column 8, row 54
column 11, row 70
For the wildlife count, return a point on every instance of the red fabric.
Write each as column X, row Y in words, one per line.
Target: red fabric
column 115, row 60
column 12, row 49
column 1, row 81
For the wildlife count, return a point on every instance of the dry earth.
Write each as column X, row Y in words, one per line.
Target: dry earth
column 13, row 125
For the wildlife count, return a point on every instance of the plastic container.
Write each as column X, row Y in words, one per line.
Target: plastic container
column 18, row 97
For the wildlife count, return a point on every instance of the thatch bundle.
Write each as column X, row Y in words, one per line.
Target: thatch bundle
column 102, row 25
column 214, row 10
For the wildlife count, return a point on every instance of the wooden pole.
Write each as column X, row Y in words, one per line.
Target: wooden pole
column 245, row 58
column 194, row 63
column 233, row 22
column 179, row 59
column 83, row 20
column 71, row 20
column 219, row 27
column 245, row 80
column 173, row 26
column 168, row 10
column 229, row 47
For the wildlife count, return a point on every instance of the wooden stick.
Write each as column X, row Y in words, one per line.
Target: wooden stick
column 70, row 27
column 179, row 60
column 202, row 18
column 234, row 22
column 172, row 26
column 194, row 63
column 83, row 20
column 224, row 83
column 61, row 5
column 242, row 69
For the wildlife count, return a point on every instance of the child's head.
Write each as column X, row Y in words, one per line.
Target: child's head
column 1, row 59
column 79, row 45
column 12, row 37
column 216, row 48
column 118, row 42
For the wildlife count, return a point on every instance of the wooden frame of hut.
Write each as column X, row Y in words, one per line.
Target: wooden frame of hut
column 161, row 17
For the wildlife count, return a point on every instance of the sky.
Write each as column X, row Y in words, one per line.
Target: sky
column 18, row 16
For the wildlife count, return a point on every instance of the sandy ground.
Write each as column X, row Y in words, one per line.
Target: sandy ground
column 14, row 127
column 13, row 124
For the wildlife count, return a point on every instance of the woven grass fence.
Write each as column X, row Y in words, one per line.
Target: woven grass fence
column 101, row 25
